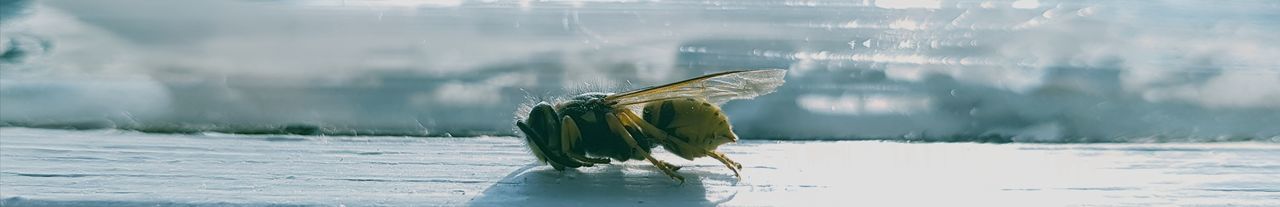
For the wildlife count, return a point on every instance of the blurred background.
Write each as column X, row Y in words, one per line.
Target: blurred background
column 921, row 70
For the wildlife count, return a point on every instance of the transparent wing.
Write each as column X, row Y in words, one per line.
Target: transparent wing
column 716, row 88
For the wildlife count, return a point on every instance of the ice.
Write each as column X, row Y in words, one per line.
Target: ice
column 117, row 168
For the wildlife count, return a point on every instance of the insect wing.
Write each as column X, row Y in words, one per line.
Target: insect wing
column 716, row 88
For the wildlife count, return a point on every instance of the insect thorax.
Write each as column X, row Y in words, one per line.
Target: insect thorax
column 588, row 111
column 583, row 104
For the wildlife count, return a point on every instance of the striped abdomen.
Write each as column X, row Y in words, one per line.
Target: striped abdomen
column 696, row 122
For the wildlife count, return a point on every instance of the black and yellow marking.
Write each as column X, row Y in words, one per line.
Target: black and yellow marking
column 593, row 127
column 693, row 121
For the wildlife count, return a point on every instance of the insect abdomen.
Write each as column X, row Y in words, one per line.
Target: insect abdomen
column 696, row 122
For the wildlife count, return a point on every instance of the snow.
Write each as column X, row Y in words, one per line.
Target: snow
column 119, row 168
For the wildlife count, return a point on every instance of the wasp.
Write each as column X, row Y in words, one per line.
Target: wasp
column 683, row 117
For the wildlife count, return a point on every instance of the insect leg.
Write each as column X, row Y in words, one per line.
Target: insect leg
column 616, row 126
column 656, row 133
column 630, row 119
column 569, row 135
column 650, row 129
column 673, row 168
column 727, row 162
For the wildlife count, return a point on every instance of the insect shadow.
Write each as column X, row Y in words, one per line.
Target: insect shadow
column 607, row 185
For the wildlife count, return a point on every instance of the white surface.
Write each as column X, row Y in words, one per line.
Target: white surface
column 112, row 168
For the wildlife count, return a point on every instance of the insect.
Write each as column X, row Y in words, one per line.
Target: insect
column 683, row 117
